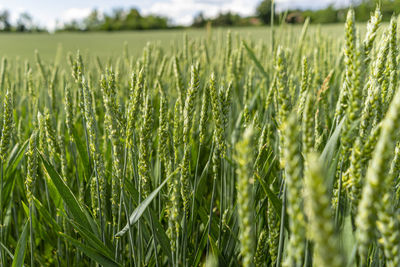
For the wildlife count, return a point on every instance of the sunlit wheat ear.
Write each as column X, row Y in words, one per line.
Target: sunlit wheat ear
column 247, row 89
column 144, row 151
column 175, row 195
column 164, row 137
column 177, row 130
column 262, row 147
column 68, row 107
column 283, row 96
column 262, row 249
column 187, row 124
column 98, row 182
column 216, row 108
column 388, row 226
column 372, row 102
column 320, row 226
column 395, row 164
column 178, row 80
column 244, row 171
column 205, row 103
column 226, row 101
column 3, row 72
column 392, row 65
column 353, row 59
column 42, row 144
column 228, row 47
column 294, row 182
column 273, row 233
column 305, row 84
column 353, row 175
column 113, row 124
column 8, row 124
column 377, row 179
column 63, row 153
column 307, row 125
column 135, row 103
column 349, row 54
column 51, row 139
column 370, row 36
column 32, row 166
column 282, row 85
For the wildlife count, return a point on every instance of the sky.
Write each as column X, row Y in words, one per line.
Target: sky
column 50, row 13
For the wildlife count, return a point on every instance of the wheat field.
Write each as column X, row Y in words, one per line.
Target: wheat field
column 222, row 150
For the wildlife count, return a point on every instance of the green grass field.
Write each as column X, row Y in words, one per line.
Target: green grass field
column 107, row 45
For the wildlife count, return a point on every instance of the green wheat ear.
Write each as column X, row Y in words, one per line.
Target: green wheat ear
column 388, row 226
column 217, row 113
column 98, row 183
column 304, row 87
column 135, row 103
column 320, row 226
column 282, row 85
column 144, row 151
column 8, row 125
column 205, row 103
column 377, row 178
column 294, row 183
column 187, row 125
column 243, row 157
column 32, row 166
column 370, row 36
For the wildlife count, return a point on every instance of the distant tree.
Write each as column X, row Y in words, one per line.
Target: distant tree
column 5, row 24
column 199, row 20
column 263, row 11
column 25, row 23
column 108, row 24
column 151, row 22
column 115, row 20
column 327, row 15
column 93, row 21
column 118, row 14
column 225, row 19
column 133, row 20
column 72, row 26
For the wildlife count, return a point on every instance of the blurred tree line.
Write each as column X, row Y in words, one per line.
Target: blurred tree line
column 24, row 23
column 117, row 20
column 131, row 19
column 227, row 19
column 362, row 8
column 330, row 14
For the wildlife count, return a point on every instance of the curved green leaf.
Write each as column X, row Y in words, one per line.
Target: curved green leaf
column 255, row 60
column 138, row 212
column 72, row 203
column 19, row 255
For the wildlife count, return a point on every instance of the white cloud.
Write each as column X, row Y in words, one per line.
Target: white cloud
column 183, row 11
column 75, row 14
column 313, row 4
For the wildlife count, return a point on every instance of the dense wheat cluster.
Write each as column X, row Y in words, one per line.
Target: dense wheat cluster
column 223, row 152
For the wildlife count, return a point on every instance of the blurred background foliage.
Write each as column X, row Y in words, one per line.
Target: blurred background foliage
column 130, row 19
